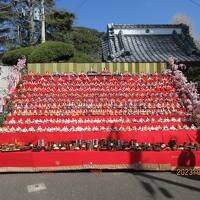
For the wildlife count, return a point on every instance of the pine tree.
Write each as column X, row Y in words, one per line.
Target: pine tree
column 6, row 26
column 20, row 18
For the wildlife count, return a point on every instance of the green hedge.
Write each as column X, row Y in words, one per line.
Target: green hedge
column 51, row 51
column 11, row 57
column 46, row 52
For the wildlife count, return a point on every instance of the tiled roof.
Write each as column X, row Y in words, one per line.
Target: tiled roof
column 148, row 43
column 133, row 26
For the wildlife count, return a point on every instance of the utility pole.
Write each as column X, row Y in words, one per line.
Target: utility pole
column 43, row 22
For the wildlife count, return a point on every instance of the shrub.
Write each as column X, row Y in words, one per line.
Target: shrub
column 11, row 57
column 86, row 40
column 51, row 51
column 80, row 57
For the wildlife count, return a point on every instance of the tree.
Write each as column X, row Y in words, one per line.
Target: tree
column 59, row 27
column 197, row 42
column 192, row 73
column 22, row 15
column 184, row 19
column 87, row 41
column 29, row 18
column 61, row 20
column 4, row 10
column 7, row 39
column 58, row 24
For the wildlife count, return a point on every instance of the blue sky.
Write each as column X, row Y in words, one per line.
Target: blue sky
column 98, row 13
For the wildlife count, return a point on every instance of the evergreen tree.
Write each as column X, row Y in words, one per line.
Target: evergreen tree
column 7, row 28
column 22, row 21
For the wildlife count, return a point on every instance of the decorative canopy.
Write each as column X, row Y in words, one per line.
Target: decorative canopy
column 148, row 43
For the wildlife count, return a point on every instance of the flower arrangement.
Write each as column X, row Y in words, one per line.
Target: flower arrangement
column 21, row 64
column 187, row 90
column 13, row 79
column 174, row 66
column 2, row 119
column 19, row 85
column 19, row 92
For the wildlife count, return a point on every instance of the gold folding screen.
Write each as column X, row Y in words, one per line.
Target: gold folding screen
column 42, row 68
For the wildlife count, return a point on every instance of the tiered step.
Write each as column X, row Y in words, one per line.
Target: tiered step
column 101, row 104
column 97, row 114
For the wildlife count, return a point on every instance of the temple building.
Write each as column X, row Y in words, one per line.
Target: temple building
column 124, row 43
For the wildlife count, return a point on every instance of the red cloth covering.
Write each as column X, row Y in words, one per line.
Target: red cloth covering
column 153, row 137
column 81, row 158
column 91, row 125
column 90, row 158
column 93, row 117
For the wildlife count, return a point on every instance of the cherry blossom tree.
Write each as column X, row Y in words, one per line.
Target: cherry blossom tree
column 187, row 90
